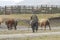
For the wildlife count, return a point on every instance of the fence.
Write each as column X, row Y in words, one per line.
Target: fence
column 29, row 9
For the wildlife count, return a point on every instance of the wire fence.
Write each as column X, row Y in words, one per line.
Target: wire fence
column 29, row 9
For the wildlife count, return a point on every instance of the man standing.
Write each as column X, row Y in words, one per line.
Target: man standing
column 34, row 22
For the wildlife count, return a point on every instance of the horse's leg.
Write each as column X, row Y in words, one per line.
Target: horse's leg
column 49, row 27
column 45, row 27
column 41, row 27
column 33, row 28
column 15, row 24
column 36, row 27
column 15, row 27
column 8, row 27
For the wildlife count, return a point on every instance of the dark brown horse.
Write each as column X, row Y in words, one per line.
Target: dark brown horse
column 34, row 23
column 11, row 23
column 44, row 23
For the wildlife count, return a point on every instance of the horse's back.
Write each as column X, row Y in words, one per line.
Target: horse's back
column 9, row 21
column 43, row 22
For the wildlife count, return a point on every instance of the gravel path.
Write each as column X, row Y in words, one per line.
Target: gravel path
column 28, row 35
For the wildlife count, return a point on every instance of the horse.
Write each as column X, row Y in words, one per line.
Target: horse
column 44, row 23
column 34, row 22
column 11, row 23
column 34, row 26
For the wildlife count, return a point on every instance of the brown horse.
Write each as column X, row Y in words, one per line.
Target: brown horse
column 44, row 23
column 11, row 23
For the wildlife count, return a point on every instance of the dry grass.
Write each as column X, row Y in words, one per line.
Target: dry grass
column 27, row 16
